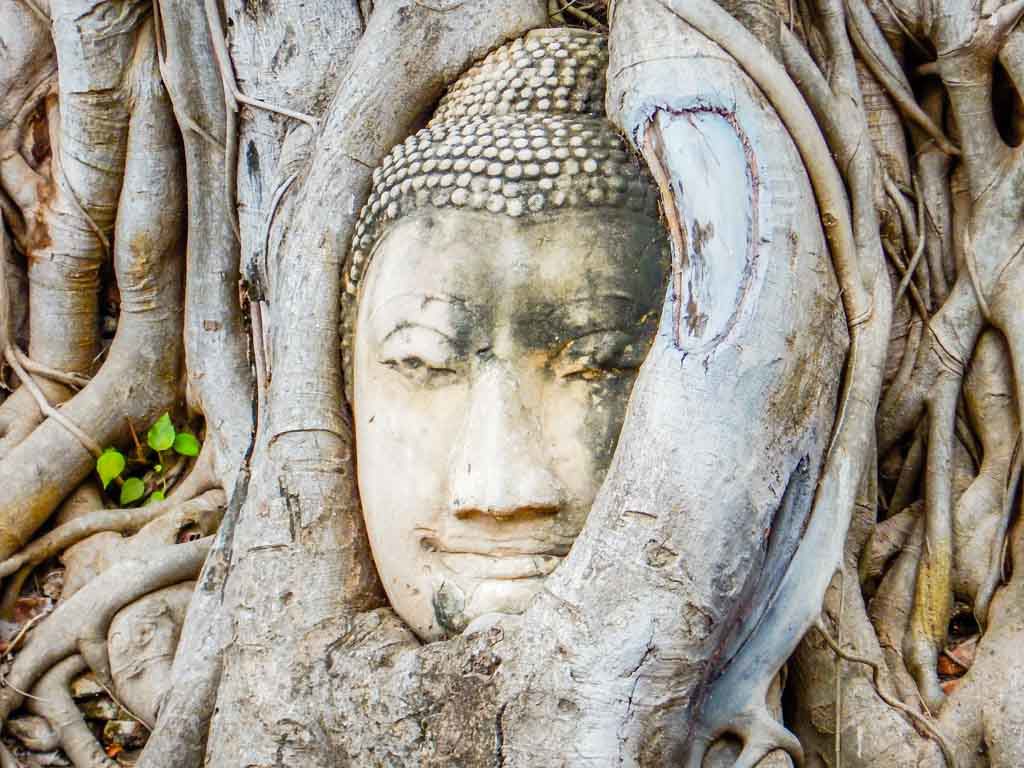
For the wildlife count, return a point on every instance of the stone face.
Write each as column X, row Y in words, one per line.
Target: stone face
column 141, row 643
column 509, row 269
column 494, row 359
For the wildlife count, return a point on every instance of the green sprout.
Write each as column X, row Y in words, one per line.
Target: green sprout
column 161, row 437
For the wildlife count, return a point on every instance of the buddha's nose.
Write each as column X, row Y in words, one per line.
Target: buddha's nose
column 498, row 465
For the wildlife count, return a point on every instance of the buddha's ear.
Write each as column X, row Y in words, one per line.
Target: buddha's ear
column 346, row 347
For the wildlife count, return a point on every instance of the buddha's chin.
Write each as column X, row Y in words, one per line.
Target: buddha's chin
column 457, row 602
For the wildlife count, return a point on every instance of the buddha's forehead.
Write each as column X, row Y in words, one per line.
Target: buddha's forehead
column 478, row 258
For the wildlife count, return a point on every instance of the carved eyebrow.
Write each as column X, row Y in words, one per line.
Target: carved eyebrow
column 420, row 301
column 596, row 310
column 411, row 309
column 561, row 308
column 443, row 298
column 402, row 325
column 594, row 297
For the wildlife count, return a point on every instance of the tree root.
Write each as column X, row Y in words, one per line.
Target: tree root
column 47, row 410
column 219, row 383
column 889, row 614
column 915, row 275
column 34, row 732
column 885, row 541
column 930, row 728
column 119, row 520
column 933, row 168
column 180, row 737
column 80, row 624
column 998, row 542
column 876, row 53
column 735, row 702
column 983, row 513
column 140, row 376
column 73, row 380
column 910, row 473
column 949, row 338
column 92, row 557
column 142, row 644
column 933, row 594
column 51, row 698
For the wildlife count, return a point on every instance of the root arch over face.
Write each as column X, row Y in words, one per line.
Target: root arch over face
column 191, row 175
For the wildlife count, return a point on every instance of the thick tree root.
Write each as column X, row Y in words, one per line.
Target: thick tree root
column 982, row 516
column 139, row 379
column 80, row 624
column 218, row 379
column 735, row 703
column 933, row 595
column 51, row 698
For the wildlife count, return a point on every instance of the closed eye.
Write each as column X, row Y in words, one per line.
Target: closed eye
column 413, row 364
column 420, row 353
column 422, row 372
column 599, row 355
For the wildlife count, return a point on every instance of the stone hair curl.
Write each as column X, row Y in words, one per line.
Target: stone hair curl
column 522, row 133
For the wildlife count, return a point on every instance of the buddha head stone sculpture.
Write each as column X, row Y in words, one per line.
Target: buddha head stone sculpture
column 505, row 283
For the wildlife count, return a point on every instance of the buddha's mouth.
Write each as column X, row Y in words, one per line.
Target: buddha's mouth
column 483, row 557
column 500, row 567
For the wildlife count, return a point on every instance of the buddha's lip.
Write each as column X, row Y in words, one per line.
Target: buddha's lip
column 500, row 567
column 493, row 548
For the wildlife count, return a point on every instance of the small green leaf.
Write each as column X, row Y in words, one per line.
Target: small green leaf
column 109, row 465
column 158, row 468
column 154, row 497
column 161, row 435
column 186, row 444
column 132, row 490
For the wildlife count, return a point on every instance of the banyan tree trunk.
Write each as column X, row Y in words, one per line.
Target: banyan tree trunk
column 811, row 511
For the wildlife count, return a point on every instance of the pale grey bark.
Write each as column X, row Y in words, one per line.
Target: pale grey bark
column 792, row 160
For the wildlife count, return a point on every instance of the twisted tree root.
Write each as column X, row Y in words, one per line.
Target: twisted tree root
column 885, row 541
column 889, row 613
column 119, row 520
column 928, row 726
column 80, row 624
column 51, row 698
column 181, row 732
